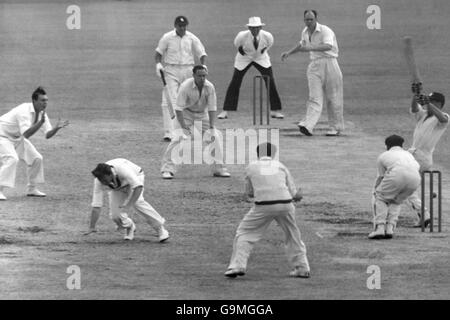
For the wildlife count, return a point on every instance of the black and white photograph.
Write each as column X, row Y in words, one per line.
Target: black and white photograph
column 215, row 150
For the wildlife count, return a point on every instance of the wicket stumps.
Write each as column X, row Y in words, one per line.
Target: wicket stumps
column 262, row 80
column 431, row 196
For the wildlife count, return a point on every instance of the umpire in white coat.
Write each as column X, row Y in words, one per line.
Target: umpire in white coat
column 253, row 46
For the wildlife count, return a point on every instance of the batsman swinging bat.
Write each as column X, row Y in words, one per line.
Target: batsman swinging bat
column 167, row 94
column 410, row 60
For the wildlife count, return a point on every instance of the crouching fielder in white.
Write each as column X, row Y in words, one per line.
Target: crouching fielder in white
column 16, row 127
column 398, row 178
column 273, row 189
column 124, row 182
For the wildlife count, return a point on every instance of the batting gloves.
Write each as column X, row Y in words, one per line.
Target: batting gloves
column 159, row 67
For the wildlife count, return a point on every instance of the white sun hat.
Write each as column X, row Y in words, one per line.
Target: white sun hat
column 255, row 22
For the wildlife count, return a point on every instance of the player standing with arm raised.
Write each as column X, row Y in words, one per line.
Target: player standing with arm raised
column 177, row 49
column 431, row 123
column 16, row 127
column 324, row 76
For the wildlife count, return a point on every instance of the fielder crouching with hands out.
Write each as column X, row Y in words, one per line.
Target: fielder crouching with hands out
column 124, row 182
column 271, row 185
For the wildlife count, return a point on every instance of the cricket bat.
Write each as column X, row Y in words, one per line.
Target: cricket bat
column 167, row 94
column 408, row 52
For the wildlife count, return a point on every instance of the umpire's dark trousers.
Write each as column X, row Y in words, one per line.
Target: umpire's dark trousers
column 232, row 96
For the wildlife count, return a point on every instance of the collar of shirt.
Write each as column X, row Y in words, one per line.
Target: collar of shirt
column 206, row 85
column 265, row 158
column 318, row 28
column 175, row 34
column 31, row 108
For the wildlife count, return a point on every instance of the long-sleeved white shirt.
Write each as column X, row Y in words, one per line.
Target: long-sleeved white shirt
column 128, row 175
column 394, row 158
column 180, row 50
column 189, row 97
column 14, row 123
column 321, row 35
column 428, row 131
column 269, row 180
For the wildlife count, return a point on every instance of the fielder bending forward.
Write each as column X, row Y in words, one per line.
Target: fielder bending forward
column 196, row 105
column 398, row 177
column 273, row 189
column 124, row 182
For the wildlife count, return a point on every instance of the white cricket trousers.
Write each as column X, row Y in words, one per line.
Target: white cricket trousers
column 10, row 154
column 143, row 208
column 256, row 222
column 414, row 202
column 396, row 186
column 325, row 86
column 199, row 126
column 175, row 75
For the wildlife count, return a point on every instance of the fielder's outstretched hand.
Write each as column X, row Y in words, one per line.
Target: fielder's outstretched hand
column 62, row 124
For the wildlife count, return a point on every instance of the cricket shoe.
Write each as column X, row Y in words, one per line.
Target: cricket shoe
column 304, row 130
column 167, row 138
column 299, row 273
column 167, row 175
column 426, row 223
column 2, row 196
column 223, row 115
column 234, row 272
column 163, row 234
column 34, row 192
column 276, row 115
column 389, row 231
column 333, row 133
column 379, row 233
column 130, row 232
column 222, row 174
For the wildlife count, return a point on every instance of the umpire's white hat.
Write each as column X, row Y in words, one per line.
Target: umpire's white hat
column 255, row 22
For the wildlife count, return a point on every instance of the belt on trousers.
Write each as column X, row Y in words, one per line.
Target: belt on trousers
column 272, row 202
column 320, row 58
column 195, row 111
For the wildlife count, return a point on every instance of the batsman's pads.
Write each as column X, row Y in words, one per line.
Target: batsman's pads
column 422, row 99
column 416, row 88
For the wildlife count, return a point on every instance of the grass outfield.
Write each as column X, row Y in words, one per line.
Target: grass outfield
column 102, row 78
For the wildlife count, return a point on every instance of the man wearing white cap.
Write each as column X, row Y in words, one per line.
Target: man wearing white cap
column 179, row 48
column 253, row 46
column 324, row 75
